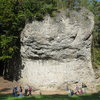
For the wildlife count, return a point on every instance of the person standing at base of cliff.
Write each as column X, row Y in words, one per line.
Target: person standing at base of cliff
column 20, row 91
column 30, row 90
column 77, row 90
column 26, row 90
column 67, row 88
column 14, row 91
column 70, row 92
column 84, row 87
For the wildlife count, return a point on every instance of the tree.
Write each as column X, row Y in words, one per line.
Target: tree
column 96, row 33
column 14, row 14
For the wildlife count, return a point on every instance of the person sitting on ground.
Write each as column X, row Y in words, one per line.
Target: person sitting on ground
column 80, row 91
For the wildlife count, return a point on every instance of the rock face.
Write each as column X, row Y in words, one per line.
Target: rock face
column 56, row 52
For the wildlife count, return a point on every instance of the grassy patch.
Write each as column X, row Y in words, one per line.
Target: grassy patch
column 53, row 97
column 98, row 85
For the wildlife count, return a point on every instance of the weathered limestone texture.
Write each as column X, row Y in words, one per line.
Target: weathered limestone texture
column 56, row 52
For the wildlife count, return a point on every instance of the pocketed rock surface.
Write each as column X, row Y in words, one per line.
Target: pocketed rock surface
column 56, row 52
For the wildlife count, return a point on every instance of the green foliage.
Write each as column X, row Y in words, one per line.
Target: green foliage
column 13, row 16
column 96, row 57
column 15, row 13
column 98, row 86
column 95, row 8
column 7, row 48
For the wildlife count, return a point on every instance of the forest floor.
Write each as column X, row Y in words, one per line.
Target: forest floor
column 6, row 86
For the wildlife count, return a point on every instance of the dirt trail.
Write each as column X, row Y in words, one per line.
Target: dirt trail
column 7, row 86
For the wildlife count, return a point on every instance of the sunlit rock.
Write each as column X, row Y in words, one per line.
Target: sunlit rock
column 56, row 52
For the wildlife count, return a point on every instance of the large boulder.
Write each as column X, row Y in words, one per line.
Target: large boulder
column 56, row 52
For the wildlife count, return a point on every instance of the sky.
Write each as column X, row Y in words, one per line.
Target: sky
column 98, row 0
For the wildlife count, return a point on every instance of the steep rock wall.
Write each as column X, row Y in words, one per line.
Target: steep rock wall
column 56, row 52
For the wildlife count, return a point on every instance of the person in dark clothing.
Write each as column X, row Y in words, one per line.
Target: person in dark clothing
column 72, row 92
column 15, row 92
column 26, row 91
column 30, row 90
column 21, row 90
column 84, row 87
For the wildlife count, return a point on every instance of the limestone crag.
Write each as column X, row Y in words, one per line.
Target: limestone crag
column 56, row 52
